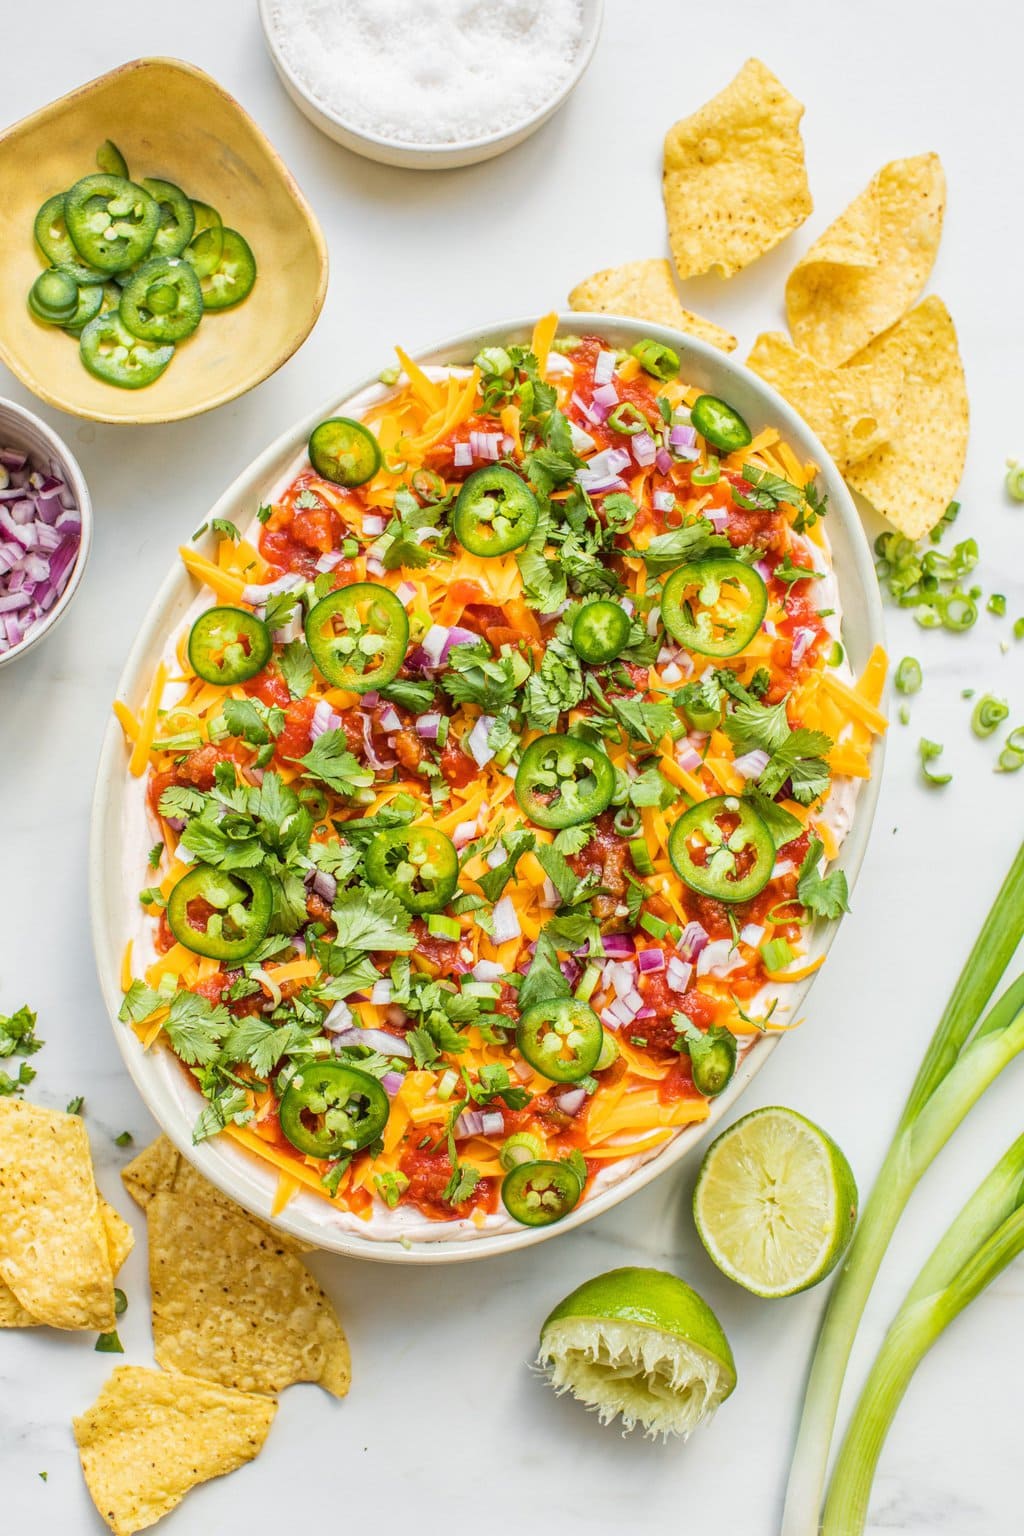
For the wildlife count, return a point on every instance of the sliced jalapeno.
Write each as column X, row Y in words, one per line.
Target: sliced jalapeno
column 53, row 297
column 539, row 1193
column 110, row 159
column 111, row 221
column 419, row 865
column 206, row 247
column 111, row 353
column 52, row 238
column 713, row 1059
column 228, row 645
column 561, row 1038
column 93, row 299
column 563, row 780
column 714, row 607
column 222, row 915
column 358, row 636
column 232, row 278
column 600, row 631
column 163, row 300
column 330, row 1108
column 177, row 216
column 719, row 424
column 344, row 451
column 496, row 511
column 721, row 848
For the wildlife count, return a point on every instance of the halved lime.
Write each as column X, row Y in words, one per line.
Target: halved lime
column 641, row 1344
column 775, row 1202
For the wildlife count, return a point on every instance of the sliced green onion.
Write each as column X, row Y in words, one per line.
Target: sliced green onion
column 836, row 655
column 997, row 605
column 1018, row 629
column 640, row 854
column 441, row 927
column 654, row 925
column 952, row 1077
column 628, row 821
column 909, row 676
column 388, row 376
column 777, row 954
column 628, row 419
column 1015, row 479
column 587, row 982
column 904, row 715
column 446, row 1087
column 708, row 476
column 929, row 751
column 989, row 713
column 1011, row 758
column 659, row 361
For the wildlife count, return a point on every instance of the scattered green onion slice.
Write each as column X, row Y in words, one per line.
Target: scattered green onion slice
column 909, row 676
column 929, row 751
column 989, row 714
column 1015, row 479
column 1011, row 758
column 997, row 605
column 708, row 476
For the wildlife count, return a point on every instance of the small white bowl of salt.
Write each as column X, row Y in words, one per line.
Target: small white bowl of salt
column 430, row 83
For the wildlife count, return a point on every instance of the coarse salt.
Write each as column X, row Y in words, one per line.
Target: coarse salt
column 430, row 71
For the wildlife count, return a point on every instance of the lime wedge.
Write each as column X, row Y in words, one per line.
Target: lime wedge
column 775, row 1202
column 640, row 1344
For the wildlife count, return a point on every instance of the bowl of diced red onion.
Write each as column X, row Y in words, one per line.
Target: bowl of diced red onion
column 45, row 529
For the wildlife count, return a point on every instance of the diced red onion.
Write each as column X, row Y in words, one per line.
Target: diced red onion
column 782, row 867
column 41, row 538
column 373, row 757
column 752, row 934
column 644, row 448
column 606, row 396
column 678, row 974
column 715, row 956
column 434, row 642
column 646, row 1013
column 392, row 1082
column 571, row 1102
column 339, row 1020
column 621, row 977
column 687, row 755
column 599, row 485
column 671, row 674
column 324, row 719
column 427, row 726
column 751, row 765
column 571, row 970
column 633, row 1001
column 604, row 367
column 652, row 959
column 627, row 605
column 373, row 524
column 323, row 883
column 621, row 1012
column 13, row 458
column 405, row 592
column 477, row 1122
column 681, row 436
column 487, row 970
column 610, row 461
column 380, row 992
column 663, row 501
column 803, row 639
column 330, row 561
column 373, row 1039
column 506, row 921
column 457, row 635
column 477, row 740
column 550, row 898
column 390, row 719
column 693, row 940
column 374, row 567
column 495, row 856
column 582, row 442
column 464, row 833
column 587, row 411
column 763, row 569
column 717, row 517
column 663, row 461
column 618, row 946
column 610, row 1020
column 462, row 455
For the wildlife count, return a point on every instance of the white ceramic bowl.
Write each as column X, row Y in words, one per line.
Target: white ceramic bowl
column 23, row 430
column 114, row 879
column 428, row 157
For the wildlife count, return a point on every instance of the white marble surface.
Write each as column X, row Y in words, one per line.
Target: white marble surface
column 445, row 1427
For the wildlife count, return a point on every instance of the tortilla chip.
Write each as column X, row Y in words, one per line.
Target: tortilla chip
column 120, row 1242
column 160, row 1168
column 913, row 477
column 54, row 1254
column 852, row 410
column 149, row 1437
column 233, row 1305
column 870, row 266
column 645, row 291
column 734, row 180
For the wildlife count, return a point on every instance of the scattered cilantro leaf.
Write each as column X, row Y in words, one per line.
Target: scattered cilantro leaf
column 825, row 895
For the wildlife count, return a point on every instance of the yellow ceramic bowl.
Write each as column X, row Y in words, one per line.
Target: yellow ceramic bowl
column 172, row 121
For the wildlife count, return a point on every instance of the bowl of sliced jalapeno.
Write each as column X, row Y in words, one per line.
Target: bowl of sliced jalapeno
column 495, row 754
column 146, row 223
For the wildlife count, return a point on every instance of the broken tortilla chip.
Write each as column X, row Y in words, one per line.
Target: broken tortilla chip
column 160, row 1168
column 852, row 410
column 150, row 1436
column 120, row 1242
column 734, row 179
column 644, row 290
column 54, row 1250
column 912, row 478
column 233, row 1305
column 870, row 266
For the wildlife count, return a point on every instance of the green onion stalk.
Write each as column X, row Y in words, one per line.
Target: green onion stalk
column 955, row 1072
column 987, row 1235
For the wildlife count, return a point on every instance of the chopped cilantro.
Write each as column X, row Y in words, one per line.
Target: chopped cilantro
column 824, row 895
column 330, row 760
column 296, row 663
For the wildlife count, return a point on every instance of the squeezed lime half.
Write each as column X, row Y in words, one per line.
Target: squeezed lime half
column 642, row 1346
column 775, row 1202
